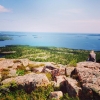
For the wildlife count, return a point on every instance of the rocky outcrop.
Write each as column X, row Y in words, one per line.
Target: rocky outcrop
column 36, row 79
column 82, row 81
column 88, row 75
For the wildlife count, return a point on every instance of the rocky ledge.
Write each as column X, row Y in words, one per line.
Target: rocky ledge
column 82, row 81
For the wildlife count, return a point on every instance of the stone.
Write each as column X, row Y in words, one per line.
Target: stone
column 69, row 70
column 25, row 62
column 12, row 73
column 39, row 69
column 88, row 74
column 56, row 95
column 59, row 80
column 17, row 64
column 36, row 79
column 72, row 88
column 4, row 64
column 27, row 69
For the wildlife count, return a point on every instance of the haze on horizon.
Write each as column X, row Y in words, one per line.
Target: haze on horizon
column 70, row 16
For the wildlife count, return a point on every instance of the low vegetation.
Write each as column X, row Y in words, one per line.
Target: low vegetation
column 41, row 93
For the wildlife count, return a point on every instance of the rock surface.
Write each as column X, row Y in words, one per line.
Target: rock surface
column 82, row 81
column 36, row 79
column 88, row 74
column 56, row 95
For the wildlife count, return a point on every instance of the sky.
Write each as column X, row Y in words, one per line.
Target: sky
column 69, row 16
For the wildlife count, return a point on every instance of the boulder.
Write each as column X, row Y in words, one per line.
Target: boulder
column 4, row 64
column 88, row 74
column 27, row 69
column 56, row 95
column 25, row 62
column 36, row 79
column 69, row 70
column 12, row 73
column 17, row 64
column 39, row 69
column 72, row 88
column 59, row 80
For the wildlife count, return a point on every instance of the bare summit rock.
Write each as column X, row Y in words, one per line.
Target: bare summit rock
column 88, row 74
column 72, row 87
column 5, row 63
column 36, row 79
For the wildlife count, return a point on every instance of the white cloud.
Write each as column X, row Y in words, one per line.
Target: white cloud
column 3, row 9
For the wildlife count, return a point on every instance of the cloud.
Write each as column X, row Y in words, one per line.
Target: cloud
column 3, row 9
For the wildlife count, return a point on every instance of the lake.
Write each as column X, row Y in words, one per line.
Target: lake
column 66, row 40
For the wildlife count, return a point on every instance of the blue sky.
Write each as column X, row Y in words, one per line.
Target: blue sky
column 79, row 16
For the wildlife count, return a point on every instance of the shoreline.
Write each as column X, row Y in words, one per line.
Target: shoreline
column 47, row 47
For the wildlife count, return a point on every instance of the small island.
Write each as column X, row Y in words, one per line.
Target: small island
column 3, row 38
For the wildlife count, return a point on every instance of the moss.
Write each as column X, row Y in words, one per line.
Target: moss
column 49, row 76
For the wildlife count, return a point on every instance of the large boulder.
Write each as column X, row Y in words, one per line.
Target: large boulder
column 36, row 79
column 5, row 63
column 72, row 88
column 88, row 74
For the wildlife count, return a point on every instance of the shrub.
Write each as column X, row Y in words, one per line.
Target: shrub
column 20, row 72
column 49, row 76
column 73, row 62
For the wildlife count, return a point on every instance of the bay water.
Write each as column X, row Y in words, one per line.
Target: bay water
column 86, row 41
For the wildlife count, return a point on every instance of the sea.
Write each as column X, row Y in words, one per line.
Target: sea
column 85, row 41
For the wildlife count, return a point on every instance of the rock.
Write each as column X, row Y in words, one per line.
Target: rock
column 88, row 74
column 62, row 71
column 25, row 62
column 56, row 95
column 0, row 77
column 2, row 59
column 39, row 69
column 12, row 73
column 72, row 88
column 69, row 70
column 36, row 79
column 59, row 80
column 54, row 73
column 4, row 64
column 27, row 69
column 17, row 64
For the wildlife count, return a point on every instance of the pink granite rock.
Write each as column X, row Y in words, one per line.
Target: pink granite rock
column 56, row 95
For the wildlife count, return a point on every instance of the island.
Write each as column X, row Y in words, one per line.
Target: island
column 3, row 38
